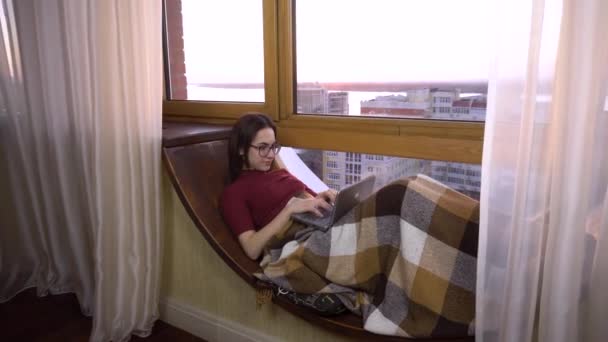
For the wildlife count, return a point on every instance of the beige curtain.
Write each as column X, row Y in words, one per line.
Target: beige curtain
column 543, row 265
column 80, row 132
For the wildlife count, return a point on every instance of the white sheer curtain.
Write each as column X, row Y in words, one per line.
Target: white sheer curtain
column 543, row 249
column 80, row 132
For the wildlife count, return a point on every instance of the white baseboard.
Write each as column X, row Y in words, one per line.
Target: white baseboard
column 206, row 325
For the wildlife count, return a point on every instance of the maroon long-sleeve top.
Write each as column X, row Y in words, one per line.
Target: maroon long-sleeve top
column 256, row 197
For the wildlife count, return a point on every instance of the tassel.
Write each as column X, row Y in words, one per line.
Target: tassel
column 262, row 296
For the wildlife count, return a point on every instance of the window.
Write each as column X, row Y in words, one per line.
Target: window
column 455, row 180
column 388, row 67
column 332, row 164
column 348, row 179
column 295, row 41
column 356, row 157
column 213, row 37
column 334, row 186
column 474, row 183
column 349, row 168
column 456, row 170
column 333, row 176
column 220, row 54
column 440, row 168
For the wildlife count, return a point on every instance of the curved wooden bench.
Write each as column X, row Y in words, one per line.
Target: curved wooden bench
column 195, row 156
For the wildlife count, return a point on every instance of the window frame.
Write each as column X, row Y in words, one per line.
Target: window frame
column 232, row 110
column 456, row 141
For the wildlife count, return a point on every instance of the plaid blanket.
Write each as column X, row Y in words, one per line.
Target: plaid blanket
column 404, row 259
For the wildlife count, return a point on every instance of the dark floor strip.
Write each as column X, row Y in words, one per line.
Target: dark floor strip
column 57, row 318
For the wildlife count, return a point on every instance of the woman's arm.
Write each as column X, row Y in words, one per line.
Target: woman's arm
column 253, row 242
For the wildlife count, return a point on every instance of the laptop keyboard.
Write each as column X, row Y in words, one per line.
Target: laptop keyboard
column 325, row 220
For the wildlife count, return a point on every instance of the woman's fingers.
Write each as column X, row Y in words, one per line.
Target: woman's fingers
column 317, row 212
column 322, row 204
column 317, row 205
column 314, row 205
column 331, row 195
column 328, row 196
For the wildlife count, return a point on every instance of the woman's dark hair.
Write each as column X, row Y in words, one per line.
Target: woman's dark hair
column 243, row 133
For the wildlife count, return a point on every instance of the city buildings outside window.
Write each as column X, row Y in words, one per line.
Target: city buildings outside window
column 334, row 170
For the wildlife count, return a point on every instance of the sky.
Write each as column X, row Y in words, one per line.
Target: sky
column 343, row 41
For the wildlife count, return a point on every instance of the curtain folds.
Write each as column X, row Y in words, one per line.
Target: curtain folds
column 80, row 133
column 544, row 202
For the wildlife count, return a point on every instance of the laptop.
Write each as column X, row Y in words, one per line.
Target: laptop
column 346, row 199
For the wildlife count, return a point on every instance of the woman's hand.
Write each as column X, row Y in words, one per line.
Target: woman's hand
column 314, row 205
column 328, row 195
column 253, row 242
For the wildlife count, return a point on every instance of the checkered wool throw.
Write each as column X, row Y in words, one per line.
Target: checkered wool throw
column 404, row 259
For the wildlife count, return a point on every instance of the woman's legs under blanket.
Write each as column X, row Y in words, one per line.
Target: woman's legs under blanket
column 405, row 259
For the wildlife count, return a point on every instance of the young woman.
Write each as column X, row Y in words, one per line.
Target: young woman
column 404, row 258
column 261, row 198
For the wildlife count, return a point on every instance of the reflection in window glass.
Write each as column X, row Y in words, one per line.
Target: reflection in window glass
column 216, row 50
column 340, row 169
column 424, row 59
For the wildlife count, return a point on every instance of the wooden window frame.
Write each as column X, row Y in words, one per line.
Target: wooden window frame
column 412, row 138
column 229, row 111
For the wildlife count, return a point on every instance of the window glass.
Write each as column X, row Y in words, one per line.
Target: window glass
column 424, row 59
column 215, row 50
column 340, row 169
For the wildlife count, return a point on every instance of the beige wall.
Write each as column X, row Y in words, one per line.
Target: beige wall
column 194, row 274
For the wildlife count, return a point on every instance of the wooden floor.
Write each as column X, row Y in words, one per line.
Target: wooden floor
column 57, row 318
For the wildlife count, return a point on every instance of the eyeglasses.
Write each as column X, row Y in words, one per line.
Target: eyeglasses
column 264, row 149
